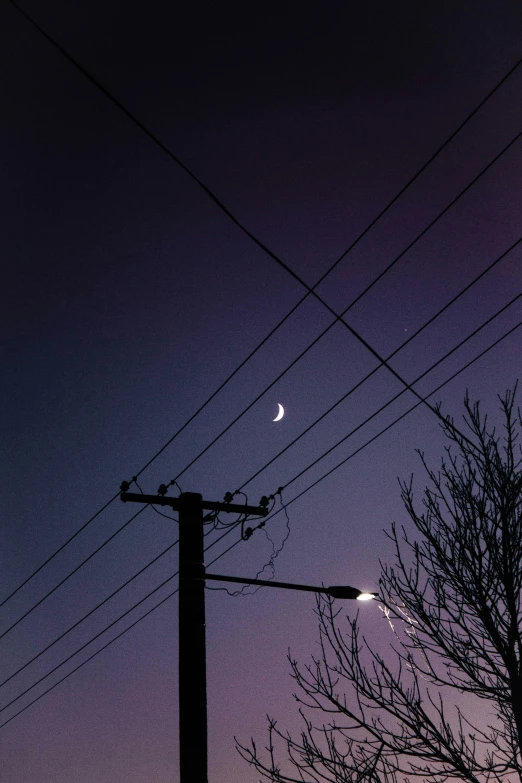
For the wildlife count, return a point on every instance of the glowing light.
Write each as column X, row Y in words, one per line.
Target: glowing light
column 366, row 597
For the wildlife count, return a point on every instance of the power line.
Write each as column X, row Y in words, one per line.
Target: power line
column 391, row 355
column 339, row 318
column 309, row 291
column 426, row 372
column 166, row 598
column 395, row 397
column 417, row 379
column 66, row 660
column 382, row 362
column 198, row 181
column 66, row 543
column 221, row 206
column 86, row 644
column 89, row 613
column 376, row 354
column 381, row 432
column 102, row 603
column 415, row 334
column 74, row 571
column 403, row 415
column 240, row 225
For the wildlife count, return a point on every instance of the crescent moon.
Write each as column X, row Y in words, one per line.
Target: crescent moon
column 280, row 414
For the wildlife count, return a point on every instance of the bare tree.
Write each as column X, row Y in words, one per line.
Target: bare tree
column 453, row 601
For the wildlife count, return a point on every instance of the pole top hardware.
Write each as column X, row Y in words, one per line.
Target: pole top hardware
column 176, row 503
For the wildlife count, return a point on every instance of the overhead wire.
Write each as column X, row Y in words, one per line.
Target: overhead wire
column 104, row 601
column 406, row 342
column 83, row 646
column 417, row 379
column 395, row 397
column 406, row 413
column 309, row 291
column 57, row 552
column 174, row 481
column 227, row 211
column 382, row 362
column 222, row 554
column 100, row 633
column 156, row 510
column 88, row 614
column 415, row 334
column 381, row 432
column 223, row 208
column 235, row 524
column 205, row 188
column 270, row 564
column 71, row 573
column 101, row 603
column 421, row 400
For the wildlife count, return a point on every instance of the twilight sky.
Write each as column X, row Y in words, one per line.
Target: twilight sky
column 129, row 297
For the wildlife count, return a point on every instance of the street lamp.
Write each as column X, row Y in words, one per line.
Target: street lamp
column 192, row 664
column 192, row 652
column 335, row 591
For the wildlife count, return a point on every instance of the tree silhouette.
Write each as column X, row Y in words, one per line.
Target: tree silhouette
column 444, row 701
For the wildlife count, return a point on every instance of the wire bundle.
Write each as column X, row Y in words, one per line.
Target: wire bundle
column 338, row 318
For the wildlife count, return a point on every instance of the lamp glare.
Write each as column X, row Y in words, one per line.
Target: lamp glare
column 365, row 597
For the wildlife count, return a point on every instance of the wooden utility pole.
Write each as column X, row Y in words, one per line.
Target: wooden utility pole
column 192, row 644
column 193, row 755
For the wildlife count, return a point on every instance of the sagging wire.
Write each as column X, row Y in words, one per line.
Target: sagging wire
column 240, row 519
column 246, row 533
column 208, row 519
column 161, row 491
column 172, row 483
column 216, row 541
column 276, row 550
column 212, row 519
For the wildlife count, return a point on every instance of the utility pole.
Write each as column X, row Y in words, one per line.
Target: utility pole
column 192, row 658
column 193, row 754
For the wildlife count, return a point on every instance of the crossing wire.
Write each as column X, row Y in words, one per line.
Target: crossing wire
column 382, row 362
column 417, row 379
column 286, row 448
column 390, row 356
column 387, row 404
column 378, row 435
column 211, row 195
column 347, row 394
column 403, row 415
column 239, row 224
column 229, row 530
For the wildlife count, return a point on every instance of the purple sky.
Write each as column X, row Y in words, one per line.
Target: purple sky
column 128, row 297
